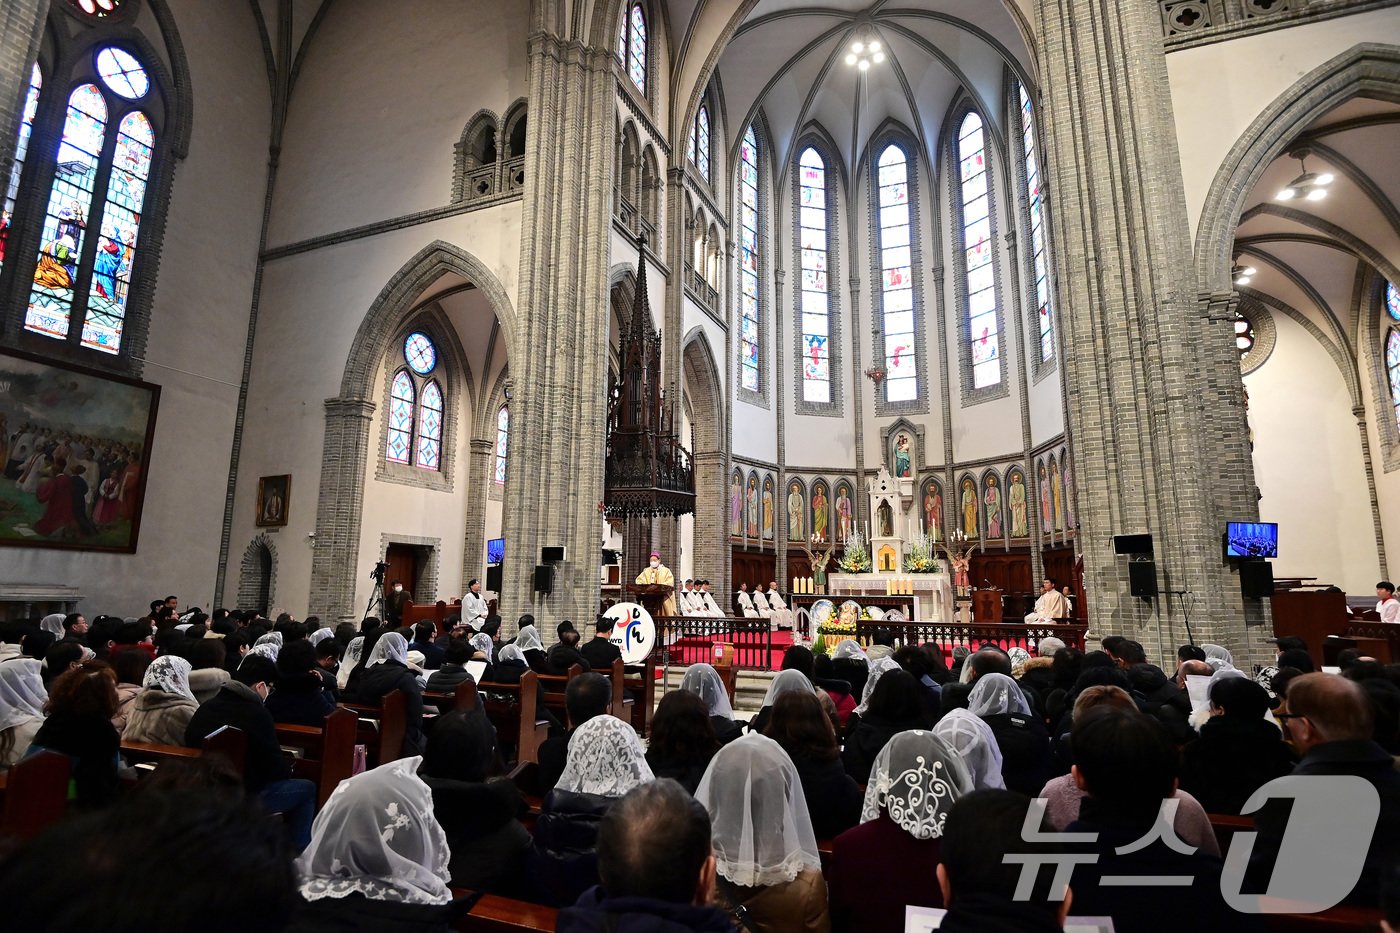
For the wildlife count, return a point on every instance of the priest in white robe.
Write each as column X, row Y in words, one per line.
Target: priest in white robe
column 779, row 612
column 1050, row 606
column 760, row 602
column 707, row 602
column 745, row 601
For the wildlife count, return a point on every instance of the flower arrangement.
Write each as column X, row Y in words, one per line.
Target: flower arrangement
column 834, row 627
column 921, row 557
column 857, row 556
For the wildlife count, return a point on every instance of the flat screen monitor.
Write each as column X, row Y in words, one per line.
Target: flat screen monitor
column 1251, row 539
column 1132, row 544
column 495, row 550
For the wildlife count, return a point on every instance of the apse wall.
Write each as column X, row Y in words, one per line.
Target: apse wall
column 198, row 327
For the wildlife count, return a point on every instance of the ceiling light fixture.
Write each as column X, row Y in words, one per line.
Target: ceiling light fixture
column 1242, row 275
column 1309, row 186
column 865, row 52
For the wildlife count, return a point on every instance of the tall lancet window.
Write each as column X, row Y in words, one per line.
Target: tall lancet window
column 983, row 320
column 1039, row 258
column 813, row 243
column 750, row 260
column 632, row 46
column 897, row 276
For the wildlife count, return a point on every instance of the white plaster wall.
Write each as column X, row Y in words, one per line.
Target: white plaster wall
column 198, row 324
column 1218, row 90
column 380, row 101
column 1308, row 464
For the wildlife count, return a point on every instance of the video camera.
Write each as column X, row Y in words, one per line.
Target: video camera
column 377, row 574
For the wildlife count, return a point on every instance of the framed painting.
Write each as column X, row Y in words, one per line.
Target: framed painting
column 74, row 444
column 274, row 495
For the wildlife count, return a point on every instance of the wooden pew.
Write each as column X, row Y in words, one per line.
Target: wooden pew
column 328, row 751
column 382, row 728
column 35, row 794
column 621, row 705
column 512, row 709
column 463, row 698
column 227, row 741
column 436, row 613
column 642, row 683
column 495, row 914
column 555, row 687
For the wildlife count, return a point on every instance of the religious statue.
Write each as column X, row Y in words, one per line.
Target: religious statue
column 820, row 516
column 958, row 550
column 886, row 516
column 1057, row 496
column 1016, row 495
column 992, row 501
column 969, row 508
column 736, row 505
column 818, row 561
column 768, row 509
column 752, row 506
column 1069, row 493
column 845, row 515
column 933, row 509
column 1044, row 500
column 902, row 466
column 795, row 510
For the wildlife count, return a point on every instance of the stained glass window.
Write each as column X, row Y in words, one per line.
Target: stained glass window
column 502, row 439
column 401, row 398
column 984, row 332
column 632, row 46
column 70, row 202
column 700, row 142
column 420, row 353
column 121, row 222
column 816, row 306
column 1039, row 257
column 1244, row 334
column 1392, row 366
column 26, row 129
column 749, row 259
column 96, row 8
column 897, row 276
column 122, row 73
column 1392, row 301
column 430, row 428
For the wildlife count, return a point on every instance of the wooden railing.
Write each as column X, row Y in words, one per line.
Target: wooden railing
column 687, row 640
column 958, row 634
column 701, row 290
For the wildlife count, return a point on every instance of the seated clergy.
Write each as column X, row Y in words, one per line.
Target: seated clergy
column 1051, row 605
column 745, row 602
column 781, row 614
column 760, row 601
column 707, row 601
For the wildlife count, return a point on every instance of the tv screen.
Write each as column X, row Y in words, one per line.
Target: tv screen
column 495, row 550
column 1132, row 544
column 1251, row 539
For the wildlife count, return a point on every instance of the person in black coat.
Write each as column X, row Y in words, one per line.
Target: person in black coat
column 586, row 697
column 266, row 771
column 300, row 698
column 1238, row 752
column 1026, row 760
column 1163, row 700
column 390, row 674
column 800, row 725
column 454, row 668
column 682, row 741
column 433, row 656
column 564, row 654
column 895, row 705
column 599, row 651
column 81, row 704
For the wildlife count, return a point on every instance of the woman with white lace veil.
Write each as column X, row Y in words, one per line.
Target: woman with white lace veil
column 22, row 699
column 974, row 742
column 766, row 854
column 605, row 761
column 877, row 669
column 530, row 645
column 1026, row 760
column 783, row 682
column 53, row 624
column 704, row 681
column 378, row 858
column 320, row 635
column 916, row 779
column 1219, row 658
column 164, row 707
column 353, row 653
column 850, row 663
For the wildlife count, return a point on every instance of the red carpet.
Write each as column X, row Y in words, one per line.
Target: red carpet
column 764, row 651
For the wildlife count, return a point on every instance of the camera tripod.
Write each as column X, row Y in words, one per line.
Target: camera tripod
column 376, row 595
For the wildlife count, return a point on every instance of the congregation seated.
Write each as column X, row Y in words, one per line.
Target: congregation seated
column 802, row 729
column 22, row 700
column 300, row 698
column 773, row 874
column 655, row 865
column 565, row 653
column 586, row 697
column 425, row 645
column 528, row 641
column 165, row 705
column 915, row 781
column 599, row 651
column 78, row 723
column 454, row 666
column 388, row 671
column 682, row 739
column 1026, row 762
column 850, row 663
column 976, row 746
column 783, row 682
column 605, row 762
column 916, row 662
column 480, row 815
column 891, row 704
column 130, row 667
column 839, row 691
column 1238, row 750
column 704, row 681
column 378, row 858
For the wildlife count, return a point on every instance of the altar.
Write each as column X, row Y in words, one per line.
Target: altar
column 931, row 593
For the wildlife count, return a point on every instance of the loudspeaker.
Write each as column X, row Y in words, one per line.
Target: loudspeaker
column 1256, row 579
column 544, row 579
column 493, row 578
column 1132, row 544
column 551, row 555
column 1142, row 578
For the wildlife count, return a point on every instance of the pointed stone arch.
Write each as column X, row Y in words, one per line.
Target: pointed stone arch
column 704, row 387
column 257, row 581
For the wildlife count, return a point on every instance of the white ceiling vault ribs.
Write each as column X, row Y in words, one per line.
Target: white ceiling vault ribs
column 287, row 28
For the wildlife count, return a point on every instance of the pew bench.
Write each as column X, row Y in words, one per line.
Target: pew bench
column 382, row 728
column 225, row 740
column 555, row 687
column 463, row 698
column 495, row 914
column 34, row 794
column 512, row 709
column 642, row 683
column 327, row 752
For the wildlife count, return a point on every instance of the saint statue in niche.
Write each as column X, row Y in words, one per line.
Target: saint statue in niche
column 1057, row 496
column 845, row 515
column 1016, row 496
column 902, row 464
column 969, row 508
column 933, row 510
column 820, row 516
column 1069, row 491
column 768, row 509
column 992, row 501
column 752, row 506
column 736, row 505
column 795, row 510
column 886, row 515
column 1044, row 500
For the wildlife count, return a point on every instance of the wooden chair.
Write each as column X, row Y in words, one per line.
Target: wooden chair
column 621, row 705
column 464, row 698
column 226, row 741
column 329, row 751
column 35, row 794
column 382, row 728
column 512, row 709
column 495, row 914
column 642, row 682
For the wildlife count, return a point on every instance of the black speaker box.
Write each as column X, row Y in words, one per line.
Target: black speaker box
column 1142, row 577
column 551, row 555
column 544, row 579
column 493, row 578
column 1256, row 579
column 1132, row 544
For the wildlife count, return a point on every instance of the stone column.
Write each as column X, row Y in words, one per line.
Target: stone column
column 558, row 413
column 334, row 575
column 1143, row 380
column 21, row 28
column 480, row 461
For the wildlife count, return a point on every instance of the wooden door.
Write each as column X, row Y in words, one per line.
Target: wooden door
column 403, row 566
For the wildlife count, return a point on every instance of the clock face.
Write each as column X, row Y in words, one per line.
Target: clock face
column 420, row 353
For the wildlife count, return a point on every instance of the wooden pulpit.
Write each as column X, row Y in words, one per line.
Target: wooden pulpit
column 652, row 596
column 986, row 606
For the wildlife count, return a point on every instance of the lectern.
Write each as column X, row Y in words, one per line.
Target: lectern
column 986, row 606
column 652, row 596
